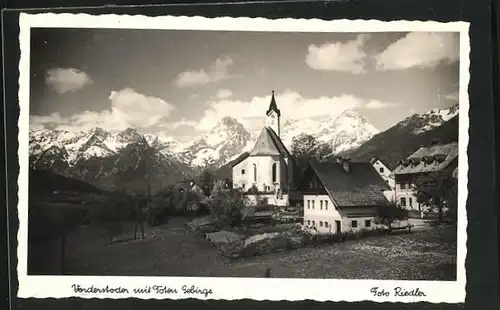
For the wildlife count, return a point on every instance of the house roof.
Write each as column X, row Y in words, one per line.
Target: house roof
column 428, row 159
column 268, row 143
column 362, row 186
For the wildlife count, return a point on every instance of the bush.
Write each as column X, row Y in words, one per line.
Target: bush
column 227, row 206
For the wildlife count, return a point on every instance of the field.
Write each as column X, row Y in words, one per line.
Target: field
column 170, row 250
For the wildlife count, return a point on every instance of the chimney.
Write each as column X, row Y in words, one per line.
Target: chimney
column 346, row 165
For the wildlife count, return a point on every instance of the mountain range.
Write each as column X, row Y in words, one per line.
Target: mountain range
column 130, row 159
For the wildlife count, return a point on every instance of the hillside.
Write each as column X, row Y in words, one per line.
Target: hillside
column 47, row 181
column 402, row 140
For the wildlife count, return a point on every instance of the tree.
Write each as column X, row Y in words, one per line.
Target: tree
column 227, row 205
column 207, row 181
column 386, row 215
column 438, row 191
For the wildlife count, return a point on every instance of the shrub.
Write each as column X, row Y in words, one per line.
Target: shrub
column 388, row 214
column 227, row 206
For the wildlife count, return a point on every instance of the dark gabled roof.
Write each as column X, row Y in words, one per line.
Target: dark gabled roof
column 362, row 186
column 428, row 159
column 273, row 106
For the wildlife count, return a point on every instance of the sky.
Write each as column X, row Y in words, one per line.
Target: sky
column 181, row 82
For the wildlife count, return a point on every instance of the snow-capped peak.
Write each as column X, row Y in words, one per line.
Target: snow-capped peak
column 432, row 119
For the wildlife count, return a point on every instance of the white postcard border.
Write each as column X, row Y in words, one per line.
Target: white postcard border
column 238, row 288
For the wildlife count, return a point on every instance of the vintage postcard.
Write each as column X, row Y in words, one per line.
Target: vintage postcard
column 232, row 158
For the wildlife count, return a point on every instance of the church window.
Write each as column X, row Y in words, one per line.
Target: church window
column 254, row 172
column 274, row 172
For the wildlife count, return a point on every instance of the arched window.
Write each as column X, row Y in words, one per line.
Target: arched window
column 254, row 172
column 274, row 172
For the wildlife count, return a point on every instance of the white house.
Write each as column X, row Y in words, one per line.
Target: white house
column 386, row 173
column 342, row 196
column 434, row 158
column 268, row 170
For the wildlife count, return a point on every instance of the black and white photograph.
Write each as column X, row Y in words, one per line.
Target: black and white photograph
column 187, row 157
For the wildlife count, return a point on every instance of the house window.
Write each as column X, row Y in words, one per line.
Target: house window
column 243, row 186
column 313, row 204
column 308, row 222
column 410, row 201
column 321, row 204
column 309, row 204
column 254, row 172
column 381, row 169
column 274, row 172
column 320, row 223
column 354, row 224
column 242, row 171
column 326, row 204
column 403, row 201
column 403, row 186
column 314, row 224
column 368, row 223
column 326, row 225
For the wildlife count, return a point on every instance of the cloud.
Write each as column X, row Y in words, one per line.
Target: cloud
column 377, row 104
column 420, row 49
column 338, row 56
column 224, row 93
column 128, row 109
column 292, row 105
column 218, row 71
column 66, row 80
column 182, row 123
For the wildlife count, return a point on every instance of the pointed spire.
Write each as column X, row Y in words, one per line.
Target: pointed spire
column 273, row 106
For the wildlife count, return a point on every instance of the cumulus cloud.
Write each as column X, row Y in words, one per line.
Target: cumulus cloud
column 217, row 71
column 420, row 49
column 224, row 93
column 338, row 56
column 377, row 104
column 65, row 80
column 293, row 106
column 128, row 109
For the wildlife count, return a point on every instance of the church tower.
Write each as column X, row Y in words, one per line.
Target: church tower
column 273, row 115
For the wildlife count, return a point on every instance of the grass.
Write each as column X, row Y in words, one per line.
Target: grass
column 169, row 250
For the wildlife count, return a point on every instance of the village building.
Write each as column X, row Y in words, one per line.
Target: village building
column 342, row 195
column 437, row 158
column 267, row 171
column 385, row 171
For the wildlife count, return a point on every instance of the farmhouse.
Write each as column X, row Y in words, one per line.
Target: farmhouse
column 268, row 170
column 442, row 158
column 342, row 195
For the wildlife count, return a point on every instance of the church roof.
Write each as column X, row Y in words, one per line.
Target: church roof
column 268, row 143
column 362, row 186
column 273, row 106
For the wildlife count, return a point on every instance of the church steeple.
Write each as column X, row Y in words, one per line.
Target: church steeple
column 273, row 115
column 273, row 106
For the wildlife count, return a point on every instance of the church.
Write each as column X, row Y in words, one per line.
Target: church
column 268, row 170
